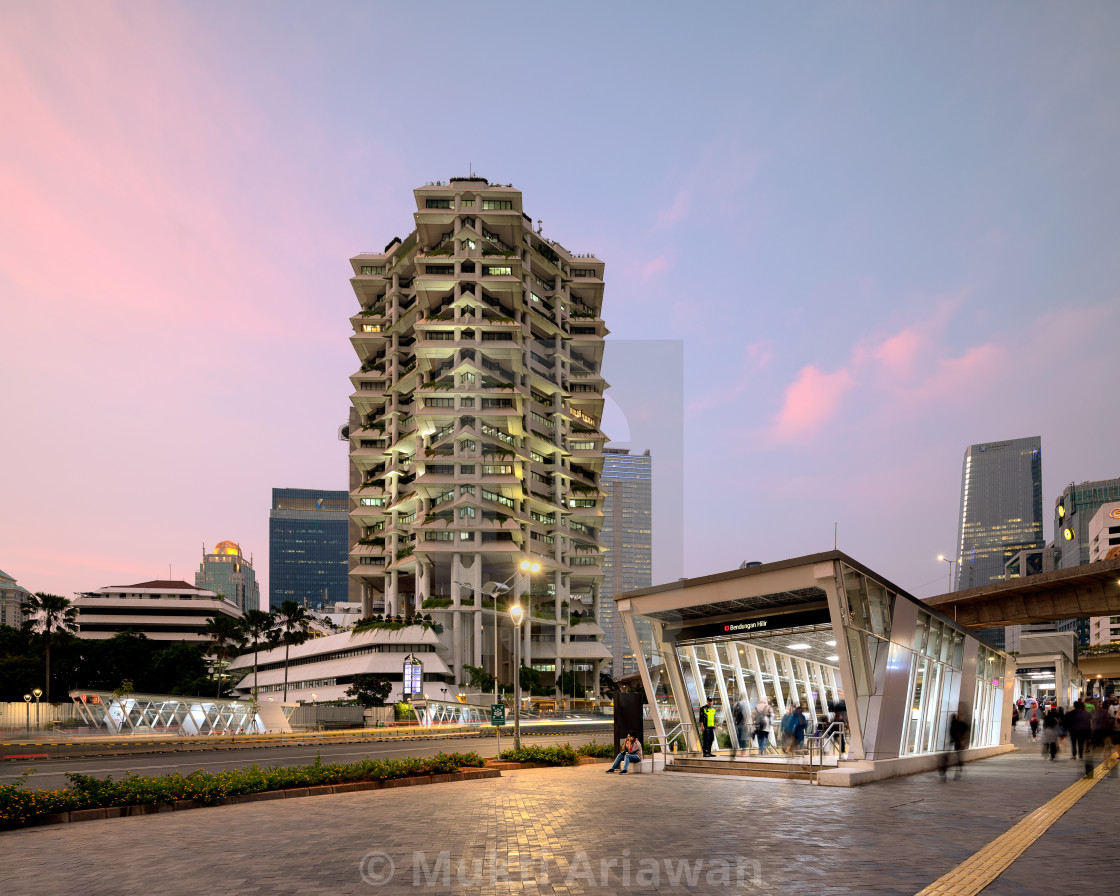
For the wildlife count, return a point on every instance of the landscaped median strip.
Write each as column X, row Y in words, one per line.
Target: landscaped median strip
column 982, row 868
column 88, row 798
column 464, row 774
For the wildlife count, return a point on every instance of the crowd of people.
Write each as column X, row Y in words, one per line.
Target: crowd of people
column 759, row 726
column 1090, row 724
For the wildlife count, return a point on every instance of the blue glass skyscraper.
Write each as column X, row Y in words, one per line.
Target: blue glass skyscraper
column 308, row 540
column 1001, row 512
column 627, row 481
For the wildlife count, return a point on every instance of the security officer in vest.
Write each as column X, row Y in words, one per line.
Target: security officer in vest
column 707, row 726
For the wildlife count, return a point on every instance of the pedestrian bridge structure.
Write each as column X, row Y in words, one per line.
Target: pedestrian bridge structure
column 1089, row 590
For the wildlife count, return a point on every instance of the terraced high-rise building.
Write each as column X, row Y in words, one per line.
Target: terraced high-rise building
column 474, row 434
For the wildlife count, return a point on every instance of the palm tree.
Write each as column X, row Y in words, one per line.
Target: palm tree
column 258, row 627
column 292, row 625
column 48, row 614
column 226, row 641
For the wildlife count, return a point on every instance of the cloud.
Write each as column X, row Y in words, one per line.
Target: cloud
column 756, row 357
column 658, row 265
column 810, row 402
column 676, row 212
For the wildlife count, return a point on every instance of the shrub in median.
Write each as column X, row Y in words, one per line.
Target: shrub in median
column 598, row 751
column 560, row 755
column 20, row 805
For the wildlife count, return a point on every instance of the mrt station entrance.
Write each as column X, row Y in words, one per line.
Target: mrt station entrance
column 822, row 634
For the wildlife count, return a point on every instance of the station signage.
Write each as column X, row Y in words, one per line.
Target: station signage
column 754, row 626
column 413, row 677
column 1031, row 670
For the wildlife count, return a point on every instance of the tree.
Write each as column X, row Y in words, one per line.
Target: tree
column 176, row 668
column 47, row 615
column 127, row 654
column 293, row 626
column 370, row 690
column 226, row 640
column 258, row 628
column 122, row 695
column 531, row 681
column 571, row 686
column 479, row 678
column 607, row 685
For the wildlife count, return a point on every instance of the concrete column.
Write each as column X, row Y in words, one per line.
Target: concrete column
column 391, row 599
column 423, row 582
column 457, row 633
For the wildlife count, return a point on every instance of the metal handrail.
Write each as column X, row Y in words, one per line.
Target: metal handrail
column 816, row 744
column 671, row 735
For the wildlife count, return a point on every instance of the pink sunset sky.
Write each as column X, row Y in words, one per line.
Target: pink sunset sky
column 879, row 232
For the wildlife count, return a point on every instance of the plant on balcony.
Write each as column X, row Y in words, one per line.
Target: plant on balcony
column 404, row 552
column 436, row 603
column 394, row 623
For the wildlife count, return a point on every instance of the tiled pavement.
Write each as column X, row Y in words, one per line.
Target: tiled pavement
column 559, row 830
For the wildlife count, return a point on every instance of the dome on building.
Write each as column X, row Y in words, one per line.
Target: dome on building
column 227, row 547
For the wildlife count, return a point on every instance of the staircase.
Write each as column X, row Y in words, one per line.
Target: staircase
column 786, row 770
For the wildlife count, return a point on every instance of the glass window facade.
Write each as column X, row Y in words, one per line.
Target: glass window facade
column 308, row 539
column 627, row 482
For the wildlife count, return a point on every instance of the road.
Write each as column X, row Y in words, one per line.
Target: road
column 50, row 774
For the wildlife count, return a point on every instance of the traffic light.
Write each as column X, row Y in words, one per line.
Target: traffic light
column 1067, row 531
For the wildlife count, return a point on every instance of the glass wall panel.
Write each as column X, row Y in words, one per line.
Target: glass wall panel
column 880, row 605
column 932, row 708
column 914, row 716
column 933, row 638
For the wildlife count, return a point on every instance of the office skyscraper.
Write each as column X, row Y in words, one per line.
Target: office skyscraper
column 226, row 572
column 474, row 431
column 627, row 533
column 1001, row 512
column 308, row 544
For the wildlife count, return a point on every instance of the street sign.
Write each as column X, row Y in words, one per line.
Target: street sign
column 497, row 714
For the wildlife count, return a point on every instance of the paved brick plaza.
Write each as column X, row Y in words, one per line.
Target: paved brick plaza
column 894, row 837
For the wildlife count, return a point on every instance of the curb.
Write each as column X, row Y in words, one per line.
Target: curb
column 464, row 774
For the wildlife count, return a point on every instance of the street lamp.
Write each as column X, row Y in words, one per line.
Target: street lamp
column 950, row 562
column 496, row 588
column 38, row 692
column 27, row 700
column 517, row 615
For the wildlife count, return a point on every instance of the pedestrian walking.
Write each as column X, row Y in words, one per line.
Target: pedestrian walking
column 740, row 715
column 1034, row 722
column 959, row 729
column 763, row 720
column 1079, row 725
column 1050, row 736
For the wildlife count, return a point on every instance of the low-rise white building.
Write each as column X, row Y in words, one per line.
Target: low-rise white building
column 1046, row 668
column 163, row 610
column 323, row 668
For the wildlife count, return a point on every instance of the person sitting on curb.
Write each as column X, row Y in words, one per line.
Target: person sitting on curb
column 631, row 752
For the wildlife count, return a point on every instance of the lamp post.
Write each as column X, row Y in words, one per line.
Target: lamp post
column 38, row 692
column 27, row 700
column 951, row 563
column 516, row 615
column 496, row 588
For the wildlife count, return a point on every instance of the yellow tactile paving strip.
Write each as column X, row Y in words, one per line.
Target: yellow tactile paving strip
column 983, row 867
